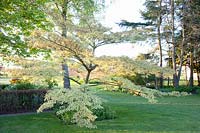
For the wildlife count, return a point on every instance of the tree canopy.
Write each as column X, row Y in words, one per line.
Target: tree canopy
column 17, row 19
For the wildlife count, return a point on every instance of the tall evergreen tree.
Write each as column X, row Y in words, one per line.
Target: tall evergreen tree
column 192, row 29
column 153, row 15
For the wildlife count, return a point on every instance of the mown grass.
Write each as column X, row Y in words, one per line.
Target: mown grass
column 134, row 114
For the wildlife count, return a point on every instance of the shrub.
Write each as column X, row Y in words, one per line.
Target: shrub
column 142, row 79
column 104, row 113
column 198, row 91
column 51, row 83
column 23, row 85
column 167, row 89
column 125, row 85
column 2, row 87
column 17, row 101
column 187, row 89
column 73, row 106
column 66, row 117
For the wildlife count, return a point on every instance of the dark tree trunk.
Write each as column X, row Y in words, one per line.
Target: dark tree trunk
column 168, row 81
column 159, row 40
column 175, row 79
column 198, row 77
column 191, row 82
column 182, row 52
column 87, row 77
column 89, row 69
column 66, row 80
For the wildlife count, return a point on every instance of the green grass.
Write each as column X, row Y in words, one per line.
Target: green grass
column 135, row 114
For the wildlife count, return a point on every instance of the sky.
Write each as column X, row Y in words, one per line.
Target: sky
column 122, row 10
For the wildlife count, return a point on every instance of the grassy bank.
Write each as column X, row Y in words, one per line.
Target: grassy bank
column 135, row 114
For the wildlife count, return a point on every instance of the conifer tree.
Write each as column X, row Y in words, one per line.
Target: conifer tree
column 153, row 15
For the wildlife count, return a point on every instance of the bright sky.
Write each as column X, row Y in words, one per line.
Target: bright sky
column 123, row 10
column 117, row 11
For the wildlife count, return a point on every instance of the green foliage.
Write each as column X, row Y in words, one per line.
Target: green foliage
column 66, row 117
column 125, row 23
column 51, row 83
column 141, row 79
column 151, row 12
column 73, row 106
column 104, row 113
column 17, row 19
column 127, row 86
column 16, row 101
column 2, row 87
column 32, row 69
column 23, row 85
column 128, row 66
column 188, row 89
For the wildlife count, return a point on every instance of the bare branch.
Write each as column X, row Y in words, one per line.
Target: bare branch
column 74, row 80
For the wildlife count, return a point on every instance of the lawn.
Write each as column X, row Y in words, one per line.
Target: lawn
column 134, row 114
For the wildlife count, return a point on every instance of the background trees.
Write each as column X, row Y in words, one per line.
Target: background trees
column 74, row 33
column 153, row 17
column 183, row 40
column 174, row 24
column 192, row 32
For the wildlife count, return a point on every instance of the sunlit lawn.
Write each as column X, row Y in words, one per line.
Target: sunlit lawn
column 135, row 114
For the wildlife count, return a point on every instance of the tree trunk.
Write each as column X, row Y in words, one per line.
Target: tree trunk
column 159, row 40
column 93, row 51
column 182, row 48
column 89, row 69
column 159, row 36
column 175, row 81
column 66, row 82
column 186, row 76
column 191, row 82
column 168, row 82
column 198, row 77
column 87, row 76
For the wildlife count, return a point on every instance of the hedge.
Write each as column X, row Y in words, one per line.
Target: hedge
column 18, row 101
